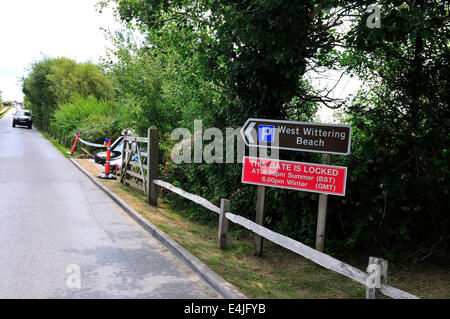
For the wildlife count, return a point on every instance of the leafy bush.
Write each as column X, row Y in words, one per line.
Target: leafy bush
column 95, row 120
column 55, row 81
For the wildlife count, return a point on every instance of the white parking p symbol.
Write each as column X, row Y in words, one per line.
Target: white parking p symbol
column 265, row 133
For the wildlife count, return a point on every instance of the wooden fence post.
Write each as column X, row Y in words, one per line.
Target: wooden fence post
column 60, row 138
column 259, row 218
column 152, row 165
column 223, row 223
column 322, row 213
column 377, row 271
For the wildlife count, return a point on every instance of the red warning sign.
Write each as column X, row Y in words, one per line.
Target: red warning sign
column 317, row 178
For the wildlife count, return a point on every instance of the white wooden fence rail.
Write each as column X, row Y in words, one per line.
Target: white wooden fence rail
column 195, row 198
column 316, row 256
column 131, row 138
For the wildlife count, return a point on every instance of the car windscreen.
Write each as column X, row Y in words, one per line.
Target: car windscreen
column 119, row 147
column 23, row 114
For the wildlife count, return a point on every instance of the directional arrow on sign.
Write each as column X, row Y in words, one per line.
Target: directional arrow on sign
column 260, row 134
column 248, row 133
column 297, row 136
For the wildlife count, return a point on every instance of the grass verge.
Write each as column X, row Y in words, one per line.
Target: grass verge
column 279, row 273
column 4, row 113
column 58, row 146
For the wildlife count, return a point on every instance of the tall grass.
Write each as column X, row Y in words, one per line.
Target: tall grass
column 94, row 119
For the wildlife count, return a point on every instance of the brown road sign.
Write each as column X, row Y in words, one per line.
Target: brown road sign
column 297, row 136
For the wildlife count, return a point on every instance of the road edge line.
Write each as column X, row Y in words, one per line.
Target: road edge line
column 222, row 287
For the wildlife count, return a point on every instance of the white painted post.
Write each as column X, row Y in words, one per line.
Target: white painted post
column 125, row 161
column 124, row 154
column 377, row 271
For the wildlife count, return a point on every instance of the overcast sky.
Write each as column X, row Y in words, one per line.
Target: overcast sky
column 30, row 28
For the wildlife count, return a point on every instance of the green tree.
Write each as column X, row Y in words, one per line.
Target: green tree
column 399, row 167
column 54, row 81
column 37, row 90
column 69, row 77
column 253, row 52
column 158, row 83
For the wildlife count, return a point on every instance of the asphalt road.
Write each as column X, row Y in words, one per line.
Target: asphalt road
column 62, row 237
